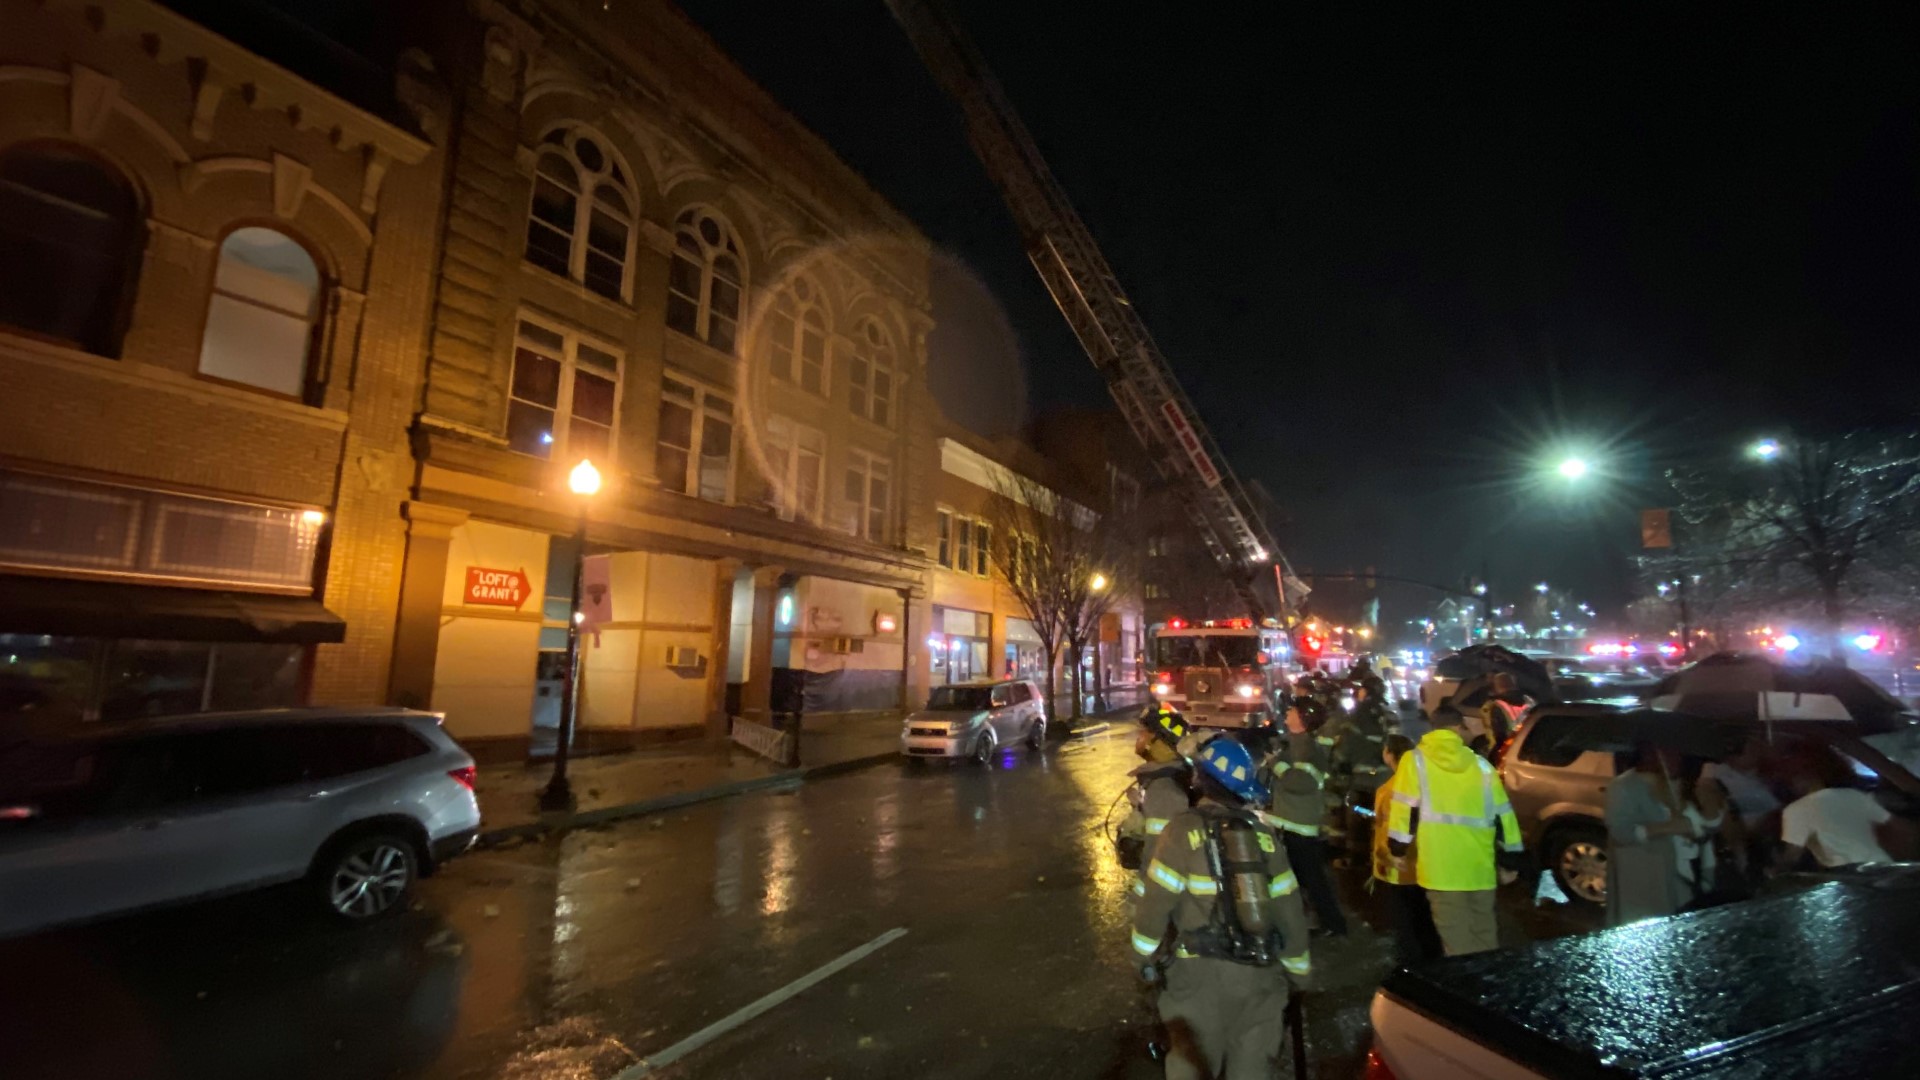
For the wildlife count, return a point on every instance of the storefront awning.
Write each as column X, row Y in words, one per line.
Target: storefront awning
column 111, row 609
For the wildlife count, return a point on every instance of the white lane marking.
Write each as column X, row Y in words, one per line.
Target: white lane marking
column 705, row 1035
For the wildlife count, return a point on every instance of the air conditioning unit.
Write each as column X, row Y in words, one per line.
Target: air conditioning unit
column 682, row 656
column 844, row 645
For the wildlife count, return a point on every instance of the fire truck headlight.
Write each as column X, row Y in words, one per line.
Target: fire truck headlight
column 1249, row 691
column 1161, row 689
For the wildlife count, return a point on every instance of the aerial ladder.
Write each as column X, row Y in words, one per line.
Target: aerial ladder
column 1088, row 294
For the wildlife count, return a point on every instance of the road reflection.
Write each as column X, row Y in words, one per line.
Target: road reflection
column 247, row 987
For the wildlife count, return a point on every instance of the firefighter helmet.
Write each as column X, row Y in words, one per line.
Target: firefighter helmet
column 1231, row 766
column 1165, row 722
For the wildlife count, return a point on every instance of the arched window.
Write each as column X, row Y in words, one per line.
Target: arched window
column 797, row 338
column 69, row 246
column 703, row 289
column 581, row 223
column 870, row 375
column 266, row 299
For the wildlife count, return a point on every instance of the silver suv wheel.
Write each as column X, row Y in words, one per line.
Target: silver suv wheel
column 1581, row 869
column 369, row 876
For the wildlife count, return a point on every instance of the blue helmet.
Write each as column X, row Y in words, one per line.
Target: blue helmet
column 1232, row 767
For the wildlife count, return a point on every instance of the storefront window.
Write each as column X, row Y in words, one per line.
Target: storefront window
column 95, row 679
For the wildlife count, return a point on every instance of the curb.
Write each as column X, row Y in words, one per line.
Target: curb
column 550, row 823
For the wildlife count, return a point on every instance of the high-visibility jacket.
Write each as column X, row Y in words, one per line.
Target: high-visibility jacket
column 1388, row 867
column 1165, row 797
column 1295, row 779
column 1182, row 894
column 1448, row 797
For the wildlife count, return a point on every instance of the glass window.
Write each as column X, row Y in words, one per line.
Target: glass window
column 705, row 281
column 563, row 392
column 50, row 676
column 154, row 678
column 250, row 675
column 868, row 492
column 963, row 557
column 260, row 319
column 693, row 417
column 797, row 339
column 946, row 537
column 69, row 246
column 580, row 223
column 795, row 455
column 960, row 699
column 870, row 374
column 982, row 544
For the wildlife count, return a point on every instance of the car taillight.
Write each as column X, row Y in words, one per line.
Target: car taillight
column 1377, row 1068
column 464, row 776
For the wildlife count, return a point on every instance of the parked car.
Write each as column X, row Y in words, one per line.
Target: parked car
column 1618, row 679
column 1558, row 765
column 1816, row 983
column 107, row 819
column 975, row 719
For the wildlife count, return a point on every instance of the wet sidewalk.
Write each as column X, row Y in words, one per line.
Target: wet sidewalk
column 609, row 787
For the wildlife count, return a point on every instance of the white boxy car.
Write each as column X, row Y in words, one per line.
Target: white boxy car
column 106, row 819
column 976, row 719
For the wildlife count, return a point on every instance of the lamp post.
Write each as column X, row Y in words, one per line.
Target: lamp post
column 583, row 481
column 1097, row 583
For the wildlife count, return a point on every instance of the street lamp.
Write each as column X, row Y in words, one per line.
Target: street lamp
column 583, row 481
column 1765, row 449
column 1541, row 588
column 1098, row 583
column 1574, row 468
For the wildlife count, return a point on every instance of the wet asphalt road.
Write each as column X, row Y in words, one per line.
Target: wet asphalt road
column 576, row 957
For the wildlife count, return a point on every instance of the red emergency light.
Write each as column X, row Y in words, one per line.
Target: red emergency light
column 1310, row 644
column 1176, row 624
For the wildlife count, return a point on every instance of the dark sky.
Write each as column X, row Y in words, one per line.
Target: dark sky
column 1402, row 259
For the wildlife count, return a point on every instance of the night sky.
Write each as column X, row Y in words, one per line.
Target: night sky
column 1402, row 260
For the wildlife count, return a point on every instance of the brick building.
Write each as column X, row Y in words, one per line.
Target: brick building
column 297, row 349
column 211, row 290
column 648, row 264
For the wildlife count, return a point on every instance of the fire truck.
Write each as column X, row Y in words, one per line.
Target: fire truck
column 1229, row 673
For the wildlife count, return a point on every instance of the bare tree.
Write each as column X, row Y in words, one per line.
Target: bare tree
column 1064, row 564
column 1808, row 526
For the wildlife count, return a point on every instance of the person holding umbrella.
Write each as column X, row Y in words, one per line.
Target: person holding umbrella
column 1660, row 848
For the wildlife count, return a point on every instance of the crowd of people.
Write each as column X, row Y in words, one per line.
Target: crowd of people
column 1683, row 832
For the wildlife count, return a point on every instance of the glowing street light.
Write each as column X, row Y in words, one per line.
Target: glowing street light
column 1098, row 583
column 1574, row 468
column 1541, row 588
column 1765, row 449
column 583, row 481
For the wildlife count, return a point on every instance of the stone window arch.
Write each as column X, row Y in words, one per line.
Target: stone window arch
column 71, row 230
column 873, row 374
column 580, row 221
column 263, row 314
column 797, row 336
column 707, row 279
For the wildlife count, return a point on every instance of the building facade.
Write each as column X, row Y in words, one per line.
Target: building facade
column 298, row 351
column 647, row 264
column 212, row 286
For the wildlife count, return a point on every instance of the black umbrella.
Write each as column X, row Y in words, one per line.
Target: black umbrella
column 1730, row 686
column 1475, row 666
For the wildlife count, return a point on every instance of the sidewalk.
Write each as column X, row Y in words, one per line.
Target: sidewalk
column 609, row 787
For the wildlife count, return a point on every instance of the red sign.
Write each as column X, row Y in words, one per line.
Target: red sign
column 497, row 588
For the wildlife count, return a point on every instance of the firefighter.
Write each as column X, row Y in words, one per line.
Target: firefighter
column 1296, row 778
column 1449, row 800
column 1164, row 780
column 1222, row 924
column 1355, row 770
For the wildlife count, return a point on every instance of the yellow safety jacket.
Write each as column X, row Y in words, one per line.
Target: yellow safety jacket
column 1181, row 894
column 1448, row 797
column 1388, row 867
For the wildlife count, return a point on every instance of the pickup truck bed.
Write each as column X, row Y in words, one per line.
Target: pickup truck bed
column 1822, row 983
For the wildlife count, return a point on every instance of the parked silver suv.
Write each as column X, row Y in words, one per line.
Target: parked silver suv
column 975, row 719
column 106, row 819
